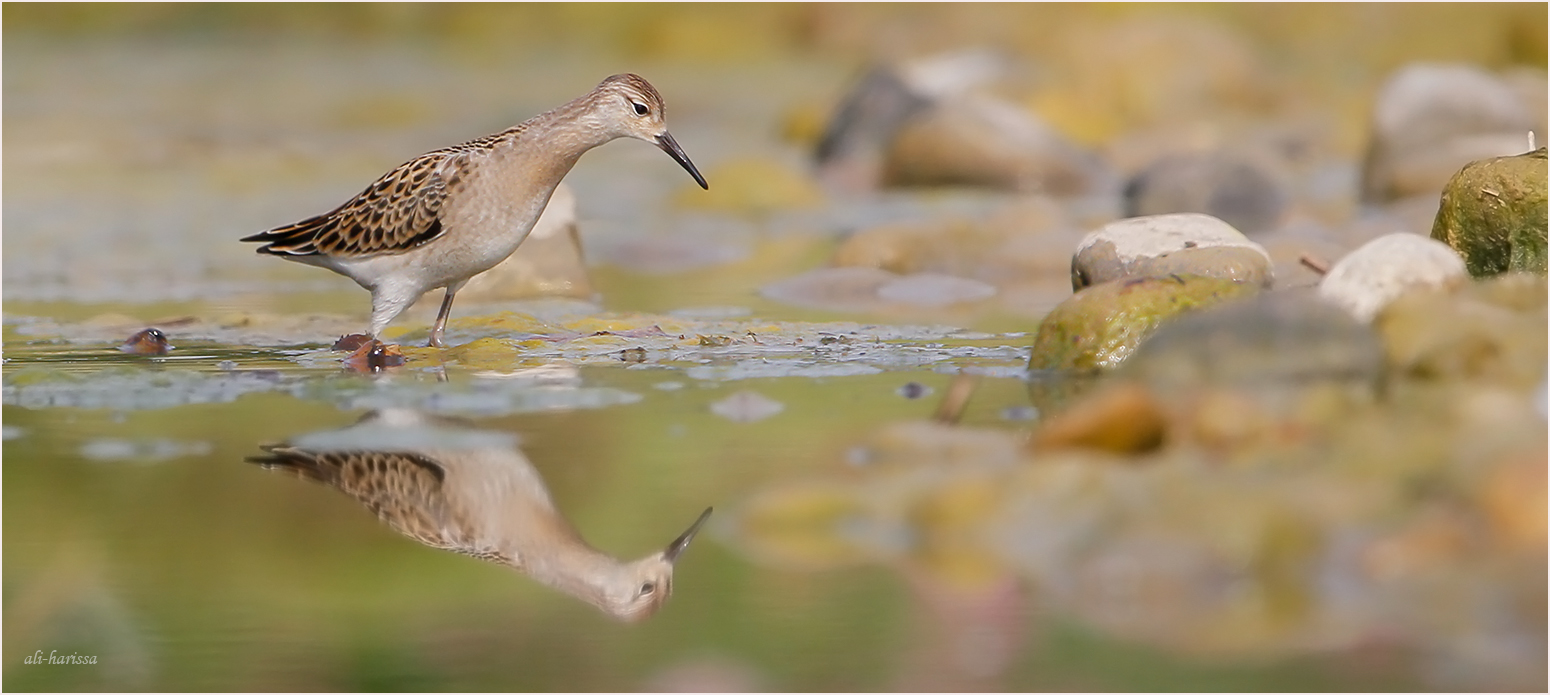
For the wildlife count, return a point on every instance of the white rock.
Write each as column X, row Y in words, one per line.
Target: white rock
column 1382, row 270
column 1156, row 235
column 1170, row 243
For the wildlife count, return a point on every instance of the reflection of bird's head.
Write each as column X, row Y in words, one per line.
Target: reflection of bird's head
column 642, row 586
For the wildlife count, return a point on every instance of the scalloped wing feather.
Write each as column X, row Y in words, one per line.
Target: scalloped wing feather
column 396, row 213
column 403, row 489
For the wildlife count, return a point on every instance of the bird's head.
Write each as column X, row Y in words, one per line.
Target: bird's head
column 636, row 111
column 642, row 586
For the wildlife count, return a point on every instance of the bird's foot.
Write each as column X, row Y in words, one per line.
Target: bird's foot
column 147, row 342
column 373, row 356
column 351, row 342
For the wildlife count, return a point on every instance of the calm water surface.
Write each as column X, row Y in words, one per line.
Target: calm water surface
column 143, row 537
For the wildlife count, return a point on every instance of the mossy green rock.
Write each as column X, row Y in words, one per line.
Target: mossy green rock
column 1492, row 330
column 1100, row 326
column 1493, row 213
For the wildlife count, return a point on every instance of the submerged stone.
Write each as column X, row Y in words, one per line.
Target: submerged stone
column 844, row 289
column 934, row 289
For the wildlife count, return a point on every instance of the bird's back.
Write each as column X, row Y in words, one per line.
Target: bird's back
column 401, row 210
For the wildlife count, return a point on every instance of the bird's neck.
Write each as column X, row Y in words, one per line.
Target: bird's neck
column 563, row 133
column 577, row 569
column 527, row 161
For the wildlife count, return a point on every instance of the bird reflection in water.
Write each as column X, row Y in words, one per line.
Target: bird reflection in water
column 471, row 491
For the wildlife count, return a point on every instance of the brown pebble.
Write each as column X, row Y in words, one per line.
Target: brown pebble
column 150, row 341
column 1124, row 419
column 1513, row 498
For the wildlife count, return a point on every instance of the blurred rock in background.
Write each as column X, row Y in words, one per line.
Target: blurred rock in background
column 930, row 122
column 1240, row 190
column 1431, row 119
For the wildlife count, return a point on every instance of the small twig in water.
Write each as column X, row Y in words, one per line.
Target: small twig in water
column 956, row 399
column 1314, row 263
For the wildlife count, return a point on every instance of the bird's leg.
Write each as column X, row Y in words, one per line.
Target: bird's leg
column 386, row 304
column 441, row 316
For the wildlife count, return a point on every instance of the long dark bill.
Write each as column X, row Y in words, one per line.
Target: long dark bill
column 676, row 548
column 670, row 146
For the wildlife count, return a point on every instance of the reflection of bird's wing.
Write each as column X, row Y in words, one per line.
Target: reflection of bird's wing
column 406, row 490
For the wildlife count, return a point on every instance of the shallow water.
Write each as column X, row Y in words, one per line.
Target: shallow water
column 139, row 532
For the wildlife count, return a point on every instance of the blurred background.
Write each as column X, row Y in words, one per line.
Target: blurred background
column 141, row 140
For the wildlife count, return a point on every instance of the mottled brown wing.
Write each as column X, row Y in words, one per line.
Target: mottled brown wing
column 398, row 212
column 403, row 489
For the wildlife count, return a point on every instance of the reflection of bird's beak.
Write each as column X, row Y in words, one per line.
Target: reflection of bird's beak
column 670, row 146
column 676, row 548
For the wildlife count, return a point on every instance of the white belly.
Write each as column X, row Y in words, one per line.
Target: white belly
column 474, row 241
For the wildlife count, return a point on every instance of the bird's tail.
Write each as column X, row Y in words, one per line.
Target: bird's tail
column 299, row 239
column 304, row 464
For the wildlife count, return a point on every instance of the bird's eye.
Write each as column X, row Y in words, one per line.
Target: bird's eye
column 640, row 109
column 647, row 589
